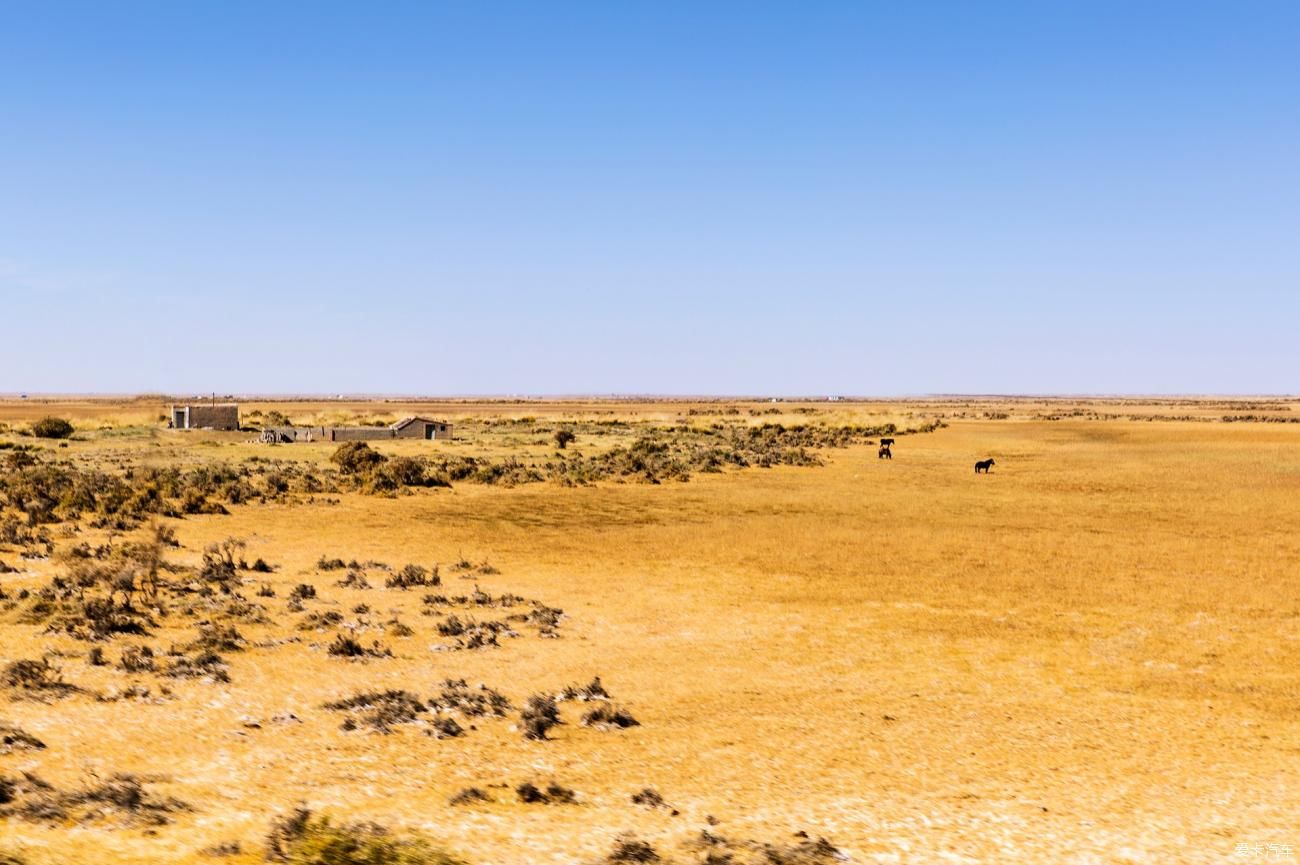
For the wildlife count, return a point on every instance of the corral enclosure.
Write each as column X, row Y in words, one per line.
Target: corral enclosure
column 1091, row 654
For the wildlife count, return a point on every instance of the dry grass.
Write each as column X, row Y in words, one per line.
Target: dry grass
column 1091, row 654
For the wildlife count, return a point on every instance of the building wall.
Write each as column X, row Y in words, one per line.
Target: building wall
column 219, row 417
column 285, row 434
column 358, row 433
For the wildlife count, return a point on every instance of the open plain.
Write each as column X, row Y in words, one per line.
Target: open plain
column 1091, row 654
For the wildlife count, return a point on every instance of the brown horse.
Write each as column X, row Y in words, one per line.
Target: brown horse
column 984, row 466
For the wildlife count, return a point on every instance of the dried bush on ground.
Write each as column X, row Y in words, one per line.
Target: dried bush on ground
column 414, row 575
column 457, row 696
column 301, row 839
column 468, row 796
column 52, row 428
column 553, row 794
column 37, row 679
column 119, row 796
column 609, row 716
column 379, row 710
column 14, row 738
column 538, row 716
column 347, row 647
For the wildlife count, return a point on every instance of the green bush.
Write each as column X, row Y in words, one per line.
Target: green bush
column 52, row 428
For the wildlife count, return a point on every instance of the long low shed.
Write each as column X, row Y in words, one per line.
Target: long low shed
column 406, row 428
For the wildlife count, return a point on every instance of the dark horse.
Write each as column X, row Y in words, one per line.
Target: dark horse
column 883, row 453
column 886, row 442
column 984, row 466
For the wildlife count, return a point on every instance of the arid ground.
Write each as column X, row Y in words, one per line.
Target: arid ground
column 1091, row 654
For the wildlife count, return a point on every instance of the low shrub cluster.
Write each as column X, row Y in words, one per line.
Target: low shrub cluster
column 345, row 646
column 369, row 471
column 659, row 454
column 50, row 491
column 381, row 711
column 304, row 839
column 119, row 796
column 38, row 680
column 552, row 794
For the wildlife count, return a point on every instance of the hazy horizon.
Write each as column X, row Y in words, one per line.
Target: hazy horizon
column 650, row 199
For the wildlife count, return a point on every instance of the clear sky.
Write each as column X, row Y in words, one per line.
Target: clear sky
column 658, row 197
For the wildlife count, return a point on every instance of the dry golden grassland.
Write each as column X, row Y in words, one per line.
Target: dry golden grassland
column 1091, row 654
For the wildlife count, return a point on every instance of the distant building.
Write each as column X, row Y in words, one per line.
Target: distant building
column 406, row 428
column 421, row 428
column 217, row 416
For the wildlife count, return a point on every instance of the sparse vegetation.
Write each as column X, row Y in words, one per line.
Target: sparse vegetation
column 751, row 613
column 304, row 839
column 120, row 797
column 552, row 794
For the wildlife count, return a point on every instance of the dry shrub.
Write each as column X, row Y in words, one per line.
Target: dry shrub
column 649, row 798
column 538, row 716
column 457, row 696
column 445, row 728
column 137, row 659
column 593, row 690
column 13, row 738
column 553, row 794
column 38, row 679
column 202, row 665
column 347, row 647
column 52, row 428
column 320, row 621
column 301, row 839
column 215, row 638
column 469, row 796
column 302, row 592
column 414, row 575
column 629, row 848
column 609, row 716
column 219, row 565
column 119, row 795
column 355, row 579
column 379, row 710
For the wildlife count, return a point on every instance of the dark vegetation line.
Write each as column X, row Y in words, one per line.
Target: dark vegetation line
column 46, row 490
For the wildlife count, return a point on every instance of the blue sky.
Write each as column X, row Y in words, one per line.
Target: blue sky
column 738, row 198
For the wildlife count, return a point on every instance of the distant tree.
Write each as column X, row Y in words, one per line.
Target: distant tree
column 52, row 428
column 563, row 437
column 275, row 418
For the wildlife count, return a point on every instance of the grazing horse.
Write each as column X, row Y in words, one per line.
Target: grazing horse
column 883, row 453
column 886, row 442
column 984, row 466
